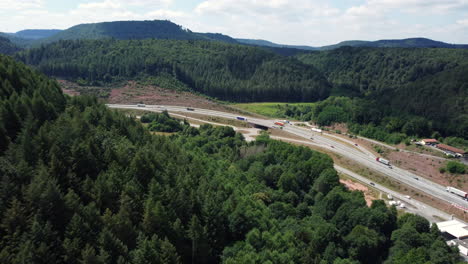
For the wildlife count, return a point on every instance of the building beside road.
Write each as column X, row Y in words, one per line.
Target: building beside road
column 455, row 234
column 449, row 150
column 429, row 142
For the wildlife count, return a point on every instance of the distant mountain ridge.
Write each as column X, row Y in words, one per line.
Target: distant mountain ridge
column 36, row 33
column 266, row 43
column 384, row 43
column 396, row 43
column 165, row 29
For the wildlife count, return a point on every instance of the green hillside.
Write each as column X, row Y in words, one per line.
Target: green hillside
column 427, row 83
column 83, row 184
column 225, row 71
column 396, row 43
column 20, row 42
column 7, row 47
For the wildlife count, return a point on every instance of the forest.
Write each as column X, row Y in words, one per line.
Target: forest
column 225, row 71
column 426, row 86
column 81, row 183
column 366, row 118
column 7, row 47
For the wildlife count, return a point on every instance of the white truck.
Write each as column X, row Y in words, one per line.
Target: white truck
column 458, row 192
column 318, row 130
column 383, row 161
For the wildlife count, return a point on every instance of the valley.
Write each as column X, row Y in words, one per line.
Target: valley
column 142, row 141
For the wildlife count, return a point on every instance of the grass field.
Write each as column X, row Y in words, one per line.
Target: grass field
column 267, row 109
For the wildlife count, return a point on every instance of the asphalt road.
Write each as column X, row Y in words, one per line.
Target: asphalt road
column 351, row 152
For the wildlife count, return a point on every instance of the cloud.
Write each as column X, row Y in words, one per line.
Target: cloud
column 305, row 22
column 108, row 4
column 276, row 20
column 20, row 4
column 149, row 3
column 418, row 6
column 463, row 22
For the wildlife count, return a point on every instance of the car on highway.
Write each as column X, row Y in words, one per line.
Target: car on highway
column 355, row 144
column 371, row 183
column 332, row 146
column 190, row 109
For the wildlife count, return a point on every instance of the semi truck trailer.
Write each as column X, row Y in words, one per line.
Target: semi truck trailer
column 458, row 192
column 384, row 161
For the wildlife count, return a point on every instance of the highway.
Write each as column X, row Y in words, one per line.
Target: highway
column 348, row 151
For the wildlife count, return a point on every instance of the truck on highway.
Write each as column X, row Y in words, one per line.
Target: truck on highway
column 458, row 192
column 241, row 118
column 383, row 161
column 281, row 124
column 141, row 105
column 318, row 130
column 190, row 109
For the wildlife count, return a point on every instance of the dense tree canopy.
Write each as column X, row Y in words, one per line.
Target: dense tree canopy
column 430, row 84
column 83, row 184
column 225, row 71
column 7, row 47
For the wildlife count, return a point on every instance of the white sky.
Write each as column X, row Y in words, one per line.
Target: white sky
column 304, row 22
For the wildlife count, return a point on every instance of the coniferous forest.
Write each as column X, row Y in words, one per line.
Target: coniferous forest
column 221, row 70
column 84, row 184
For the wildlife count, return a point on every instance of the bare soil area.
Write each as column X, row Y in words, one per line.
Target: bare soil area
column 354, row 186
column 428, row 168
column 280, row 133
column 132, row 92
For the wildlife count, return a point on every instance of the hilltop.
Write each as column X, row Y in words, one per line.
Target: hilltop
column 155, row 29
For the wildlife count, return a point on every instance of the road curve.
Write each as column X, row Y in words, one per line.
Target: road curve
column 350, row 152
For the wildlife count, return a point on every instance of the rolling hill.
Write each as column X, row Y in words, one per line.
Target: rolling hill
column 225, row 71
column 388, row 43
column 430, row 83
column 396, row 43
column 155, row 29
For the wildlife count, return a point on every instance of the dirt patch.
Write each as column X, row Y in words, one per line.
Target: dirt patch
column 354, row 186
column 132, row 92
column 427, row 167
column 341, row 127
column 70, row 92
column 280, row 133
